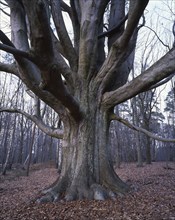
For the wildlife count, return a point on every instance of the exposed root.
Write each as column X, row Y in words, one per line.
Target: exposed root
column 94, row 192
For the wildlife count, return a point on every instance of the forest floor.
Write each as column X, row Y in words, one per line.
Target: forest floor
column 152, row 197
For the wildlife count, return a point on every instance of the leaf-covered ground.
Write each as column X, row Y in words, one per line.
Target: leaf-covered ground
column 152, row 197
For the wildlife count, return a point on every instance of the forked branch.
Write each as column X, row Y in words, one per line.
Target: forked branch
column 16, row 52
column 163, row 68
column 114, row 29
column 135, row 12
column 9, row 47
column 63, row 34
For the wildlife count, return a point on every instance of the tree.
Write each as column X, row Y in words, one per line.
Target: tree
column 84, row 88
column 170, row 126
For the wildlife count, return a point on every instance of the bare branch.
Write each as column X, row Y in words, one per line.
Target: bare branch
column 9, row 47
column 41, row 38
column 9, row 68
column 119, row 50
column 4, row 12
column 17, row 52
column 65, row 8
column 162, row 82
column 173, row 29
column 135, row 12
column 163, row 68
column 157, row 36
column 53, row 132
column 114, row 29
column 142, row 130
column 2, row 3
column 63, row 35
column 5, row 40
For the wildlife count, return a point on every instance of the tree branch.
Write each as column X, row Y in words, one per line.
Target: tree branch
column 65, row 7
column 10, row 68
column 53, row 132
column 2, row 3
column 135, row 12
column 3, row 11
column 5, row 40
column 64, row 68
column 142, row 130
column 157, row 37
column 9, row 47
column 173, row 30
column 63, row 35
column 114, row 29
column 41, row 38
column 119, row 49
column 16, row 52
column 162, row 82
column 163, row 68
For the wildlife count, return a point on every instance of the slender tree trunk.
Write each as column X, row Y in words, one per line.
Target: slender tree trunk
column 6, row 161
column 136, row 134
column 30, row 150
column 4, row 141
column 148, row 150
column 139, row 151
column 59, row 157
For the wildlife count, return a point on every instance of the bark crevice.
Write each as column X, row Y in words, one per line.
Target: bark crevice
column 82, row 177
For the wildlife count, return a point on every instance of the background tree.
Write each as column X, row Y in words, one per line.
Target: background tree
column 168, row 148
column 80, row 81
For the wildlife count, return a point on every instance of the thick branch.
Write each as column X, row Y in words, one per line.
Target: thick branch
column 114, row 29
column 89, row 26
column 9, row 47
column 110, row 72
column 65, row 7
column 173, row 29
column 63, row 35
column 135, row 12
column 119, row 50
column 158, row 71
column 5, row 40
column 64, row 68
column 56, row 87
column 18, row 25
column 9, row 68
column 16, row 52
column 75, row 18
column 136, row 128
column 57, row 133
column 162, row 82
column 38, row 16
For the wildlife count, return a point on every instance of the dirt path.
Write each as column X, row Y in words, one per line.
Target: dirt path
column 152, row 198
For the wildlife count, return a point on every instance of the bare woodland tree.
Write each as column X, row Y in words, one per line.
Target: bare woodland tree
column 84, row 91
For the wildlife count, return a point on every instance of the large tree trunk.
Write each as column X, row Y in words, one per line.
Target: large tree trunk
column 81, row 102
column 87, row 172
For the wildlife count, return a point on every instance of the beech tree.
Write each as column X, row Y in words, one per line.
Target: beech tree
column 81, row 80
